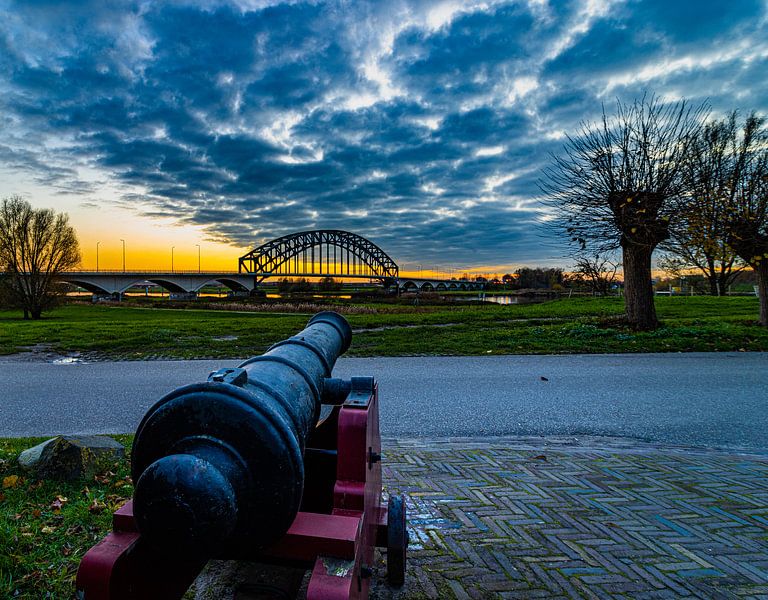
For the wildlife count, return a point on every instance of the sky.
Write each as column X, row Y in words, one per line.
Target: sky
column 423, row 125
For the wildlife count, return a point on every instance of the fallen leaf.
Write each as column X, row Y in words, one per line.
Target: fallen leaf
column 2, row 496
column 36, row 513
column 96, row 506
column 104, row 478
column 85, row 491
column 540, row 457
column 58, row 503
column 11, row 481
column 47, row 529
column 544, row 378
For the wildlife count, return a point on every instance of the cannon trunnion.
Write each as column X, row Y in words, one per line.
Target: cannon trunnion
column 241, row 466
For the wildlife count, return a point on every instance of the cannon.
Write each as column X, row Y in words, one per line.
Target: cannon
column 274, row 461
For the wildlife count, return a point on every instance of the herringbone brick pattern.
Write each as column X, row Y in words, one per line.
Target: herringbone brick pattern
column 556, row 518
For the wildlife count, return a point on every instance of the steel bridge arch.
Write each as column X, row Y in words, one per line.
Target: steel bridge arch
column 272, row 258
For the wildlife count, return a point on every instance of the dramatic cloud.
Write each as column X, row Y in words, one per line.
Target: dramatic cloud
column 422, row 125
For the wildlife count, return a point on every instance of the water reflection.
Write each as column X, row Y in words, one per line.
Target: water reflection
column 334, row 296
column 496, row 299
column 503, row 299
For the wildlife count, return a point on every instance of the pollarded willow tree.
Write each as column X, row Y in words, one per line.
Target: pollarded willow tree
column 620, row 184
column 747, row 201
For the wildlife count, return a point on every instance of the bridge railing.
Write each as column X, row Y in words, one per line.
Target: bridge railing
column 148, row 272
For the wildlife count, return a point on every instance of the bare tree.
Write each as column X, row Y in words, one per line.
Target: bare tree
column 700, row 238
column 597, row 272
column 35, row 245
column 620, row 183
column 747, row 201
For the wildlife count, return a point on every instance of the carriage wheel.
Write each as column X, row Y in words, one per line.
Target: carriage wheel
column 397, row 541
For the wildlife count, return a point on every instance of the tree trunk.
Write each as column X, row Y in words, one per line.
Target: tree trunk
column 761, row 269
column 714, row 290
column 36, row 313
column 638, row 289
column 722, row 284
column 714, row 287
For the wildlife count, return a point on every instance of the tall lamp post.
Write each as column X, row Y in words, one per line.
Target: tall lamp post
column 97, row 256
column 123, row 255
column 198, row 258
column 172, row 247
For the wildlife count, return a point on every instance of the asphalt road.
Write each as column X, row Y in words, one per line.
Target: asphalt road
column 702, row 399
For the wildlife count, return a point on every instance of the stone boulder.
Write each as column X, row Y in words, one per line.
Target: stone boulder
column 70, row 457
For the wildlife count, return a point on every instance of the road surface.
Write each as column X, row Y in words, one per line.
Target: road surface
column 701, row 399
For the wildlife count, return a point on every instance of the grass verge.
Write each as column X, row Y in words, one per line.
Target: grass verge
column 47, row 526
column 582, row 325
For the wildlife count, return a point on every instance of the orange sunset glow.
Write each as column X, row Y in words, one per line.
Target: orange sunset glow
column 149, row 243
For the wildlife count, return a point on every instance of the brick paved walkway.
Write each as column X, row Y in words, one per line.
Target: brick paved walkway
column 561, row 518
column 597, row 518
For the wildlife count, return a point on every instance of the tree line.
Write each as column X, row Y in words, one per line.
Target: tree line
column 655, row 176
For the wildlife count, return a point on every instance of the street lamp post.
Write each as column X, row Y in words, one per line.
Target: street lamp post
column 123, row 255
column 198, row 258
column 172, row 247
column 97, row 256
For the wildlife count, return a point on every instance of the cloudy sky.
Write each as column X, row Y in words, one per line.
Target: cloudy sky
column 423, row 126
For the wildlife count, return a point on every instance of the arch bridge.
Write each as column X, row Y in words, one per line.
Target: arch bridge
column 320, row 253
column 181, row 283
column 418, row 284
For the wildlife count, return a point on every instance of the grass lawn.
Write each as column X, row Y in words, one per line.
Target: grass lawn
column 47, row 526
column 561, row 326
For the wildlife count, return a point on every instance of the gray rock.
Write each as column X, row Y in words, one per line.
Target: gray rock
column 70, row 457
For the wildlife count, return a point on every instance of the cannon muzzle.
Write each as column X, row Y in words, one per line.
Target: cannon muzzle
column 219, row 464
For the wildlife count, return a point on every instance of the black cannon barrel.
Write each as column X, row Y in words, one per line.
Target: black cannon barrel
column 220, row 464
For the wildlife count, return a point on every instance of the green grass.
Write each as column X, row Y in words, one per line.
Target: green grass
column 47, row 526
column 583, row 325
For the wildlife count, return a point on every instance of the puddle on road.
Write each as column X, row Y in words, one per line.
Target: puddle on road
column 69, row 360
